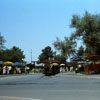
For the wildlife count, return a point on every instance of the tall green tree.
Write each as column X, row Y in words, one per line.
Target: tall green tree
column 60, row 58
column 67, row 47
column 87, row 28
column 14, row 54
column 46, row 54
column 2, row 41
column 17, row 54
column 80, row 51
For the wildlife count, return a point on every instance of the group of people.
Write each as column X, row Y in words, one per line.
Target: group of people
column 13, row 70
column 5, row 70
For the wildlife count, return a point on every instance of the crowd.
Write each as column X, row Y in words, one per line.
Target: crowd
column 8, row 69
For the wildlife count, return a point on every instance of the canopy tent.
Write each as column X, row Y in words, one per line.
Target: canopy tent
column 93, row 57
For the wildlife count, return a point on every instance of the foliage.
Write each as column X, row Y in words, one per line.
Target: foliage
column 46, row 54
column 87, row 28
column 14, row 54
column 66, row 47
column 60, row 58
column 80, row 51
column 2, row 41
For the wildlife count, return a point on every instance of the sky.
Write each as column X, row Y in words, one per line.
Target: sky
column 35, row 24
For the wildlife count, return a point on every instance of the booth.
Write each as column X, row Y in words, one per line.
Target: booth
column 77, row 63
column 92, row 63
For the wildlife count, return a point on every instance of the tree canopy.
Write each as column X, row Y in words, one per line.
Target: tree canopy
column 60, row 58
column 14, row 54
column 46, row 54
column 87, row 28
column 80, row 51
column 2, row 41
column 66, row 47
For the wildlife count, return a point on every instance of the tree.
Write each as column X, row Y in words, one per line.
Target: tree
column 80, row 51
column 66, row 47
column 87, row 28
column 60, row 58
column 2, row 41
column 46, row 54
column 14, row 54
column 17, row 54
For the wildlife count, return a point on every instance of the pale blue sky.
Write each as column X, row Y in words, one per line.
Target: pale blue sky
column 35, row 24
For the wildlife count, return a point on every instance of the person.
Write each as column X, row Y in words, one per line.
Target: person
column 4, row 70
column 0, row 70
column 53, row 69
column 19, row 70
column 27, row 69
column 7, row 69
column 10, row 69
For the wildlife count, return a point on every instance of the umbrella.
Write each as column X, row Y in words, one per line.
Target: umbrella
column 1, row 62
column 55, row 64
column 17, row 64
column 76, row 58
column 8, row 62
column 62, row 64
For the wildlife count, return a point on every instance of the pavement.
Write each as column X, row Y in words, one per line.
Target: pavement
column 19, row 74
column 78, row 75
column 66, row 75
column 15, row 98
column 63, row 86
